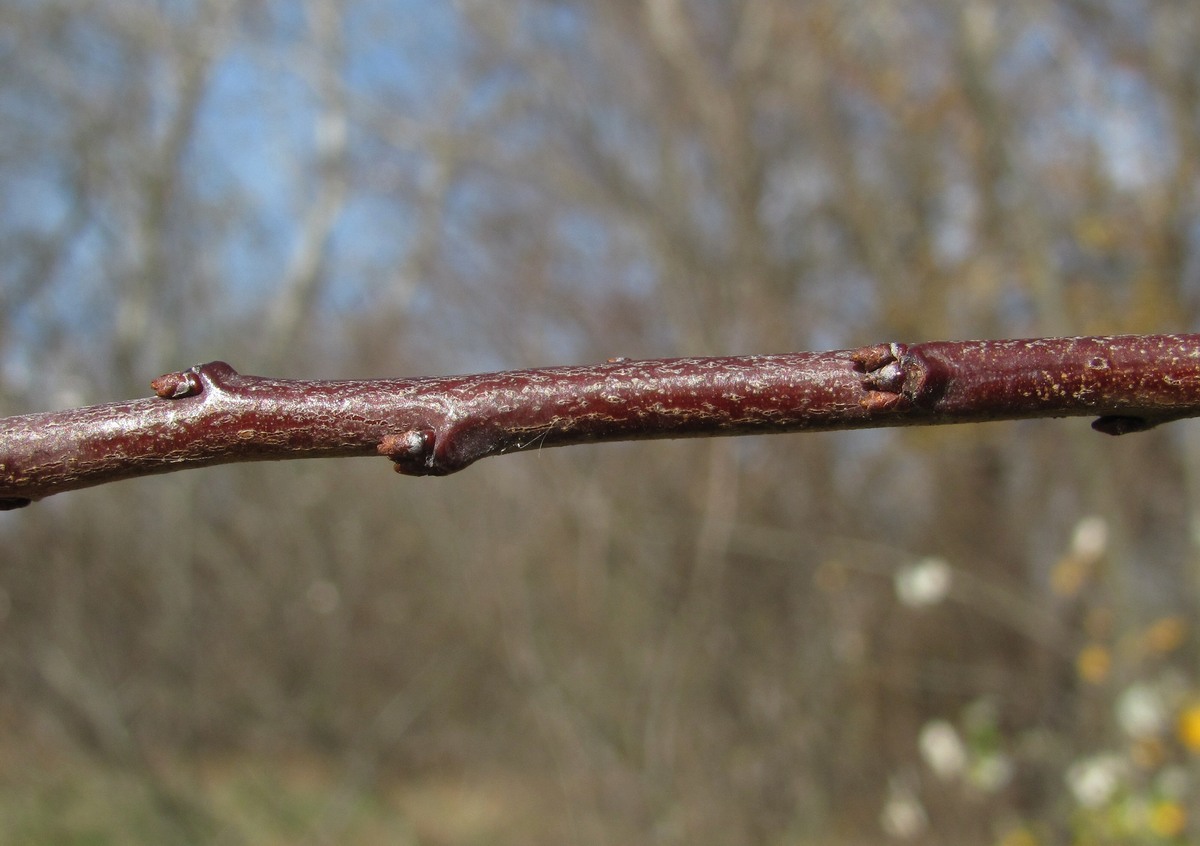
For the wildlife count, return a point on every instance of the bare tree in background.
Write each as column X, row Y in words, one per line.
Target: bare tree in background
column 676, row 642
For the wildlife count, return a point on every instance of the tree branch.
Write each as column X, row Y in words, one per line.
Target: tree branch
column 210, row 414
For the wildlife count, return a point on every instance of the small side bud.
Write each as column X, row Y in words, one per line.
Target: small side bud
column 176, row 385
column 869, row 359
column 883, row 376
column 1120, row 424
column 411, row 451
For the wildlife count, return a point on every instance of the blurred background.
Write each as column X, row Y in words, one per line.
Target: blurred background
column 961, row 635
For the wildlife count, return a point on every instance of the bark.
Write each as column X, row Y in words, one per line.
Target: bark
column 211, row 414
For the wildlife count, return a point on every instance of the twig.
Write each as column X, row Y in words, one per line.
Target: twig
column 210, row 414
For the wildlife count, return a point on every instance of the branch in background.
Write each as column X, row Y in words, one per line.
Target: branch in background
column 210, row 414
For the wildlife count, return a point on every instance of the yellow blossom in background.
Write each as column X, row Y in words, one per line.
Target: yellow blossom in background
column 1096, row 232
column 1148, row 753
column 1167, row 818
column 1188, row 727
column 1165, row 635
column 1093, row 663
column 1018, row 837
column 1069, row 575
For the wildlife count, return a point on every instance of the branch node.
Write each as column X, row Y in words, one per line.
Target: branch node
column 885, row 375
column 217, row 376
column 897, row 377
column 925, row 377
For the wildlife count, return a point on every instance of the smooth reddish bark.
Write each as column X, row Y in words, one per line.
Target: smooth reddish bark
column 211, row 414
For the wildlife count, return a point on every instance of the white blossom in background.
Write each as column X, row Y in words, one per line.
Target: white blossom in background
column 1093, row 781
column 1090, row 538
column 1141, row 711
column 942, row 749
column 925, row 583
column 903, row 816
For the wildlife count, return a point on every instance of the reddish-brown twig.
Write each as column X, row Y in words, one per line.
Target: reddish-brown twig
column 211, row 414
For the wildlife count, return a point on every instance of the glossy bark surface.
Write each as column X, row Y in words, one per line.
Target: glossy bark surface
column 211, row 414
